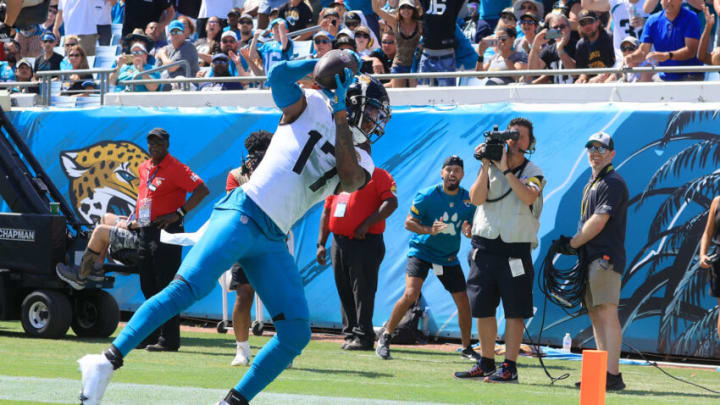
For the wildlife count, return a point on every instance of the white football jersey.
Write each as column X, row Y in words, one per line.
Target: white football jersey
column 298, row 169
column 620, row 12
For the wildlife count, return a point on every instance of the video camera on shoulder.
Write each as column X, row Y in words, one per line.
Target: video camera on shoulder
column 495, row 142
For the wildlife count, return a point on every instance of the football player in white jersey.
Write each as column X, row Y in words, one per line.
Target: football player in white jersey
column 311, row 155
column 628, row 19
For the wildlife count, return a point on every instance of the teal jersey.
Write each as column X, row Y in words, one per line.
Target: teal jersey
column 433, row 203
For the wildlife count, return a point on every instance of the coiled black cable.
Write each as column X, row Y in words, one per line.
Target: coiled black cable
column 563, row 287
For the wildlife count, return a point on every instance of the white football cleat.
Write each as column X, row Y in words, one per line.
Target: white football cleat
column 96, row 371
column 242, row 358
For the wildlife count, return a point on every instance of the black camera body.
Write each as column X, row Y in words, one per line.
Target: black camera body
column 495, row 142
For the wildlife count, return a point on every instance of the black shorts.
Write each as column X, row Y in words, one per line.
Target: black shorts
column 491, row 279
column 238, row 276
column 715, row 280
column 452, row 277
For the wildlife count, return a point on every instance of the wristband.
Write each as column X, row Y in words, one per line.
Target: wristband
column 180, row 211
column 320, row 244
column 480, row 58
column 670, row 55
column 507, row 171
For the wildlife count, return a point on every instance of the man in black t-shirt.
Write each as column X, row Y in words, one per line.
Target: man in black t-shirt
column 601, row 234
column 595, row 49
column 438, row 21
column 49, row 60
column 298, row 16
column 553, row 54
column 138, row 13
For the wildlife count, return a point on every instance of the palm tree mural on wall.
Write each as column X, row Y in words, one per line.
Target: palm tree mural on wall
column 675, row 288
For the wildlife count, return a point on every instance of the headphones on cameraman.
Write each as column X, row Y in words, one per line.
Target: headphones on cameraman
column 531, row 148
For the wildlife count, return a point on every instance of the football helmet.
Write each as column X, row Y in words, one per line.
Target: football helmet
column 368, row 108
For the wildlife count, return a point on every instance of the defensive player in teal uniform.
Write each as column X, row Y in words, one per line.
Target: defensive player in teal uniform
column 311, row 156
column 438, row 216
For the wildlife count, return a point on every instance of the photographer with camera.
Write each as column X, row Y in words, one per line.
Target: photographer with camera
column 508, row 196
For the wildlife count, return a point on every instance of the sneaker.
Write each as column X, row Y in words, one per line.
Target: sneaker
column 358, row 344
column 96, row 371
column 383, row 346
column 5, row 34
column 470, row 354
column 612, row 382
column 70, row 275
column 159, row 347
column 503, row 375
column 347, row 340
column 242, row 358
column 475, row 373
column 97, row 275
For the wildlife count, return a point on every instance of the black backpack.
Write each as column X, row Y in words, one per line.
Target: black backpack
column 407, row 331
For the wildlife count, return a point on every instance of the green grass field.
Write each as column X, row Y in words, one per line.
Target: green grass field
column 44, row 371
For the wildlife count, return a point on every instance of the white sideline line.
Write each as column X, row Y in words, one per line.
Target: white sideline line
column 66, row 391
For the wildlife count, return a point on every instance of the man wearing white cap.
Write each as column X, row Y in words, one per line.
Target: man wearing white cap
column 601, row 234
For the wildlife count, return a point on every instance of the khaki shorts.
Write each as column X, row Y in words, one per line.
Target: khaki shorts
column 602, row 285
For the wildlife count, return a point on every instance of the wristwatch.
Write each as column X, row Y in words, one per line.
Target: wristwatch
column 670, row 55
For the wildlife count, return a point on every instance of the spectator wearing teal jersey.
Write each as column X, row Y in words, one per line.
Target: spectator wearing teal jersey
column 130, row 65
column 278, row 49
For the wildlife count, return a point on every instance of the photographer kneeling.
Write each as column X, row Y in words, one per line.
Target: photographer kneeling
column 508, row 193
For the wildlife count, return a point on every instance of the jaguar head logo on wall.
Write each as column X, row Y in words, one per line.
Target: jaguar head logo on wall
column 103, row 178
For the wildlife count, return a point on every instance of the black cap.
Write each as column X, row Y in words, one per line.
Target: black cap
column 344, row 40
column 159, row 133
column 585, row 13
column 453, row 160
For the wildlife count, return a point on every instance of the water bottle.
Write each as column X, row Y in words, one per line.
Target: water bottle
column 567, row 343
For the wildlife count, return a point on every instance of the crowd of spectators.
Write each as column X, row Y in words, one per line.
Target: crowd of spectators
column 231, row 38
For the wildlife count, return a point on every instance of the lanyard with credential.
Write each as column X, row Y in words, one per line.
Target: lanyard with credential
column 151, row 177
column 589, row 187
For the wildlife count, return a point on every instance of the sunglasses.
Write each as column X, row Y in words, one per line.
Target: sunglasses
column 137, row 53
column 352, row 24
column 362, row 35
column 388, row 42
column 322, row 41
column 559, row 27
column 47, row 41
column 68, row 44
column 228, row 41
column 597, row 149
column 176, row 32
column 527, row 22
column 220, row 62
column 502, row 38
column 628, row 48
column 586, row 21
column 74, row 55
column 246, row 22
column 508, row 17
